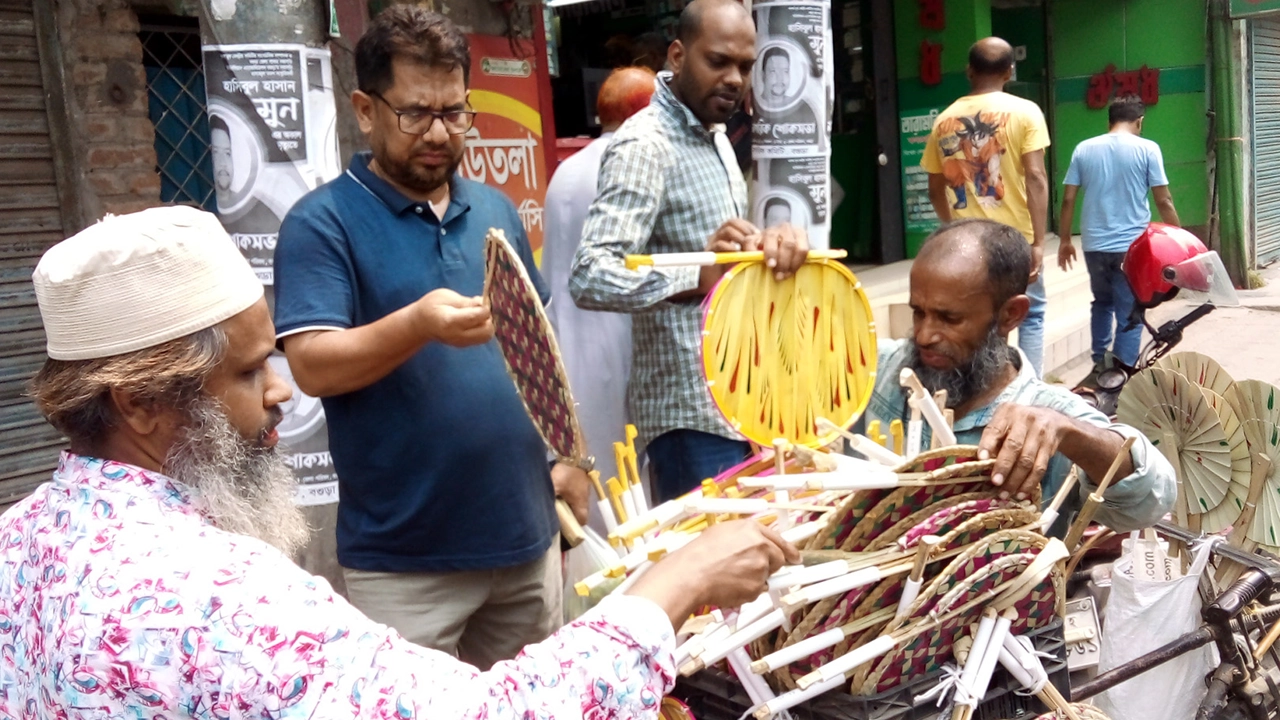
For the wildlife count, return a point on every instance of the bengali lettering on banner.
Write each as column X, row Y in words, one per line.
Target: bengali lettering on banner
column 505, row 148
column 793, row 90
column 273, row 139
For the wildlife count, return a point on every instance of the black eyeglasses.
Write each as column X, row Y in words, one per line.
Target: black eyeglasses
column 419, row 122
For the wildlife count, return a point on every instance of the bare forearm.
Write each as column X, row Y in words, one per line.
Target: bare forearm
column 1067, row 218
column 1093, row 449
column 941, row 207
column 1168, row 213
column 1038, row 204
column 334, row 362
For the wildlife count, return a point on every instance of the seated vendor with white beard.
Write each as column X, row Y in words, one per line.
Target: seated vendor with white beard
column 968, row 288
column 151, row 577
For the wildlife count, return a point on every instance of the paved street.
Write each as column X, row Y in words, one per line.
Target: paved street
column 1245, row 340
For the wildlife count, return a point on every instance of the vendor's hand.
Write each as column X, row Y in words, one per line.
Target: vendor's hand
column 785, row 248
column 453, row 319
column 1022, row 439
column 1066, row 254
column 574, row 487
column 727, row 565
column 1037, row 262
column 733, row 236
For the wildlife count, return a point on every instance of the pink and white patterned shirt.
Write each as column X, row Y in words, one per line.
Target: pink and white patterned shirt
column 118, row 600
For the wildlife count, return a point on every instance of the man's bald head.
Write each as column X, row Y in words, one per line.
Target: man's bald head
column 991, row 57
column 698, row 12
column 993, row 250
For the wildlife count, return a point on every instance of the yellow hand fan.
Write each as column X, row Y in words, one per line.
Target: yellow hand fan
column 1225, row 514
column 778, row 354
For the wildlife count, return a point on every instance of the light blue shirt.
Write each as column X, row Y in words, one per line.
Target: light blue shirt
column 1133, row 502
column 1115, row 171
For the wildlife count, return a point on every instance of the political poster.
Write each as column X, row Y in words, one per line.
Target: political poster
column 273, row 139
column 792, row 92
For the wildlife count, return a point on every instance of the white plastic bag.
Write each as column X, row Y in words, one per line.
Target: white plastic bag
column 1152, row 604
column 594, row 554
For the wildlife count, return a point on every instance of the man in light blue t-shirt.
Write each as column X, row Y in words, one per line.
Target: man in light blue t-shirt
column 1114, row 170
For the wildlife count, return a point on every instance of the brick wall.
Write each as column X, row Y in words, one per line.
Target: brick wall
column 114, row 152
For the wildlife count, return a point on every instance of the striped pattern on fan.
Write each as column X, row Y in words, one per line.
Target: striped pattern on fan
column 1258, row 406
column 1177, row 417
column 778, row 354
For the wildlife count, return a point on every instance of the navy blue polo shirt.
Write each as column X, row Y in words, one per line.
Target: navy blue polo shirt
column 440, row 468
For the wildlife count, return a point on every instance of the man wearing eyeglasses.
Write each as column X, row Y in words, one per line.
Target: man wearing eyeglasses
column 446, row 522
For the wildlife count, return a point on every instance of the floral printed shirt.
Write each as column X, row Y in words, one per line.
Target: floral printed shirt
column 118, row 600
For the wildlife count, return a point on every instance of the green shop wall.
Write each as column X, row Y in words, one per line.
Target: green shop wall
column 1088, row 35
column 967, row 21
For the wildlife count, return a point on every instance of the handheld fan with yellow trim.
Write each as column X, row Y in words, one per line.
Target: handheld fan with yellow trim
column 779, row 354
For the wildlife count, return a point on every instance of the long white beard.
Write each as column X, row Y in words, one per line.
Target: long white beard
column 241, row 487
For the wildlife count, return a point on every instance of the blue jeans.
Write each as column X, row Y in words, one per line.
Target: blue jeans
column 1031, row 331
column 681, row 459
column 1113, row 304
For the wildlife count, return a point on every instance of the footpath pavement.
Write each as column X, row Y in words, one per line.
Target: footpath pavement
column 1245, row 340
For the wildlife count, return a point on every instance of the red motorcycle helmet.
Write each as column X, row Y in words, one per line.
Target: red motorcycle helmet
column 1161, row 247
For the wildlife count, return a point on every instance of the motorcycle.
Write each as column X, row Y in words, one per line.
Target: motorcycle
column 1164, row 263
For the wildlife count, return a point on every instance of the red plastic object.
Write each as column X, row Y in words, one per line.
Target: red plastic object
column 1160, row 247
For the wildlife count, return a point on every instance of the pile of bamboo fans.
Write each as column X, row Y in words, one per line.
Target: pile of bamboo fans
column 1222, row 437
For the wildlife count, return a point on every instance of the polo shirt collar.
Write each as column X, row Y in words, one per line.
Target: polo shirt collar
column 981, row 417
column 671, row 105
column 396, row 200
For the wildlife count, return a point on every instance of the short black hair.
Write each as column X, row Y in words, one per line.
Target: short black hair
column 1004, row 249
column 774, row 52
column 1126, row 108
column 987, row 63
column 775, row 202
column 217, row 123
column 410, row 32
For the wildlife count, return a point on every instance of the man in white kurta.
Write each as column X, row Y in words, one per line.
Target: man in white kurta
column 596, row 346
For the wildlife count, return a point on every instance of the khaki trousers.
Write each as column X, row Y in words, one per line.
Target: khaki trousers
column 480, row 617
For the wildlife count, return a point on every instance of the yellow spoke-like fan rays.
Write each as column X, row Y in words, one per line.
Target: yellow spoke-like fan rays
column 779, row 354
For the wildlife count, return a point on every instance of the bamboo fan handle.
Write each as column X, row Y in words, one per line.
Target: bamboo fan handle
column 570, row 528
column 634, row 262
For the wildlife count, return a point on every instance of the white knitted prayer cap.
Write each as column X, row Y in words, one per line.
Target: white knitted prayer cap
column 135, row 281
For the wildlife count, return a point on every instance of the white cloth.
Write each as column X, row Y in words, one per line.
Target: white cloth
column 135, row 281
column 596, row 346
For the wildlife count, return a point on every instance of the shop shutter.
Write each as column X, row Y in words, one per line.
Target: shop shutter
column 1266, row 138
column 30, row 222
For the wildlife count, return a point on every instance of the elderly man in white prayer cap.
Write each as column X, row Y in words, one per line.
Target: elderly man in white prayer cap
column 151, row 578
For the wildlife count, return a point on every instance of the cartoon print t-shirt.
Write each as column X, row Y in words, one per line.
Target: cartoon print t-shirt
column 977, row 145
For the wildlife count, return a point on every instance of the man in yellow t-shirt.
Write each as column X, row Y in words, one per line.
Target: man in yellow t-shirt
column 985, row 159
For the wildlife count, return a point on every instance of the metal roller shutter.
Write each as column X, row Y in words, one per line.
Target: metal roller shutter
column 30, row 221
column 1265, row 42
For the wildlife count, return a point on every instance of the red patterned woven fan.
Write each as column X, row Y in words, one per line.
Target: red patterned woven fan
column 532, row 357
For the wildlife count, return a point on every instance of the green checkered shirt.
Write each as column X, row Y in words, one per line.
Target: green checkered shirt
column 666, row 184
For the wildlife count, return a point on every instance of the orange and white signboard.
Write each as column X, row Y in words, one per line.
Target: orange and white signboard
column 506, row 149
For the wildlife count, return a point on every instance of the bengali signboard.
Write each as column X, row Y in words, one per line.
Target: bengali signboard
column 505, row 148
column 918, row 215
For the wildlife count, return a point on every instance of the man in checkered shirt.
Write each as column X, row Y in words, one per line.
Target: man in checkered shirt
column 669, row 182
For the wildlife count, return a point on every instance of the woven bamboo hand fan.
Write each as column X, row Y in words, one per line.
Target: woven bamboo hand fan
column 1199, row 369
column 532, row 357
column 1258, row 406
column 1175, row 415
column 777, row 355
column 1230, row 508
